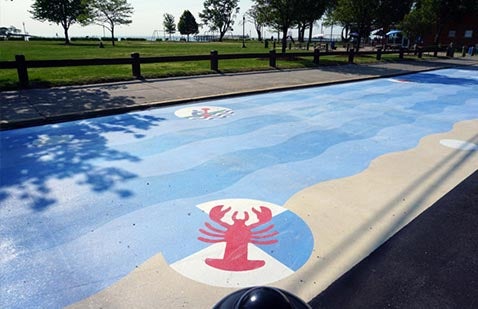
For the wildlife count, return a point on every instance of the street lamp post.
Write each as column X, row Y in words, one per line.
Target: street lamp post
column 243, row 31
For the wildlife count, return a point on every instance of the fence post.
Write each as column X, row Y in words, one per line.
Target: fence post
column 316, row 56
column 22, row 71
column 351, row 56
column 450, row 51
column 379, row 53
column 136, row 65
column 272, row 58
column 214, row 61
column 400, row 53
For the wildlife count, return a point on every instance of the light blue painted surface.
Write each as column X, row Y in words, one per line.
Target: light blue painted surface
column 83, row 203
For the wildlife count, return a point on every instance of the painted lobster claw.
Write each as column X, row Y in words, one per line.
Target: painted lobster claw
column 217, row 213
column 264, row 215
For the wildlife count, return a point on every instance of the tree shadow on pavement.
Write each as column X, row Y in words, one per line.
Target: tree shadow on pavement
column 395, row 68
column 69, row 102
column 33, row 158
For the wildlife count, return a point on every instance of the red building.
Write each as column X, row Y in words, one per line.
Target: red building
column 461, row 33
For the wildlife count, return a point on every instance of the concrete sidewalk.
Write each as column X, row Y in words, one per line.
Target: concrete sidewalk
column 40, row 106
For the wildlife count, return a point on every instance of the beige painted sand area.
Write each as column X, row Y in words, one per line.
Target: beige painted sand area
column 349, row 218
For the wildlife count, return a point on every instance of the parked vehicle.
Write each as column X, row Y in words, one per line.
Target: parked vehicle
column 395, row 39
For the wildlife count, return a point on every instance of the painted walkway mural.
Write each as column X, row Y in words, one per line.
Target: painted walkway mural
column 85, row 203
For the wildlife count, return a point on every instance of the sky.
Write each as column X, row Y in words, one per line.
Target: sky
column 147, row 17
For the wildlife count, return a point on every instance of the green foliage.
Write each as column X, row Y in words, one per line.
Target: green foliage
column 358, row 15
column 169, row 24
column 134, row 39
column 254, row 16
column 418, row 22
column 391, row 12
column 219, row 15
column 48, row 39
column 279, row 14
column 62, row 12
column 309, row 12
column 109, row 14
column 187, row 24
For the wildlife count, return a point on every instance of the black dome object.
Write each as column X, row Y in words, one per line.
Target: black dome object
column 261, row 297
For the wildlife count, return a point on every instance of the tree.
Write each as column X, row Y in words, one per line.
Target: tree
column 358, row 15
column 169, row 24
column 415, row 25
column 391, row 13
column 279, row 14
column 187, row 24
column 219, row 15
column 254, row 16
column 62, row 12
column 109, row 14
column 308, row 13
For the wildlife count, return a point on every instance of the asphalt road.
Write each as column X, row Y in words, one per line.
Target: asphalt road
column 431, row 263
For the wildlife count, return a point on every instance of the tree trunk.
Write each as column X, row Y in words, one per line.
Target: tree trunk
column 222, row 32
column 113, row 35
column 284, row 39
column 67, row 38
column 437, row 35
column 437, row 40
column 311, row 28
column 302, row 33
column 259, row 34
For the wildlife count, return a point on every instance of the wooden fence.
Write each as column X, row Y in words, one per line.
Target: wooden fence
column 22, row 65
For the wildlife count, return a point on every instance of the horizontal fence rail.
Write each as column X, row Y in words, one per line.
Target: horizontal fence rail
column 22, row 65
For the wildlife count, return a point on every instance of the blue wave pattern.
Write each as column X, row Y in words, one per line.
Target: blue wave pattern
column 83, row 203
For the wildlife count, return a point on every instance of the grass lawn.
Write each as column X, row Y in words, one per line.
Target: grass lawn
column 49, row 50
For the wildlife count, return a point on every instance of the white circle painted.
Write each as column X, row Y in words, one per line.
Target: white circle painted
column 245, row 242
column 204, row 112
column 459, row 144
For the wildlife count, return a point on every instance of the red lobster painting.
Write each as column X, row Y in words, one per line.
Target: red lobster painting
column 237, row 237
